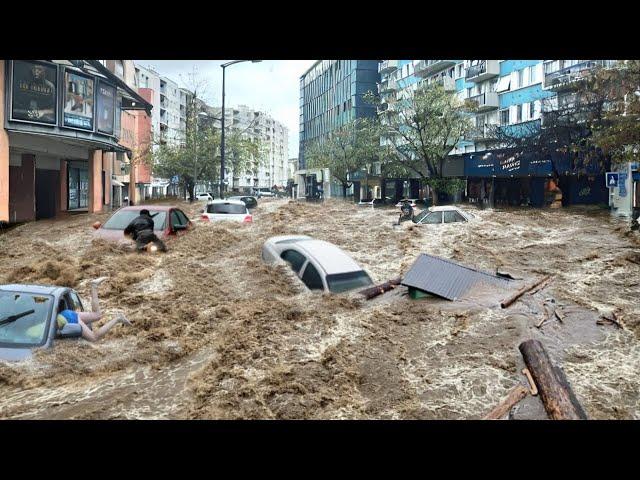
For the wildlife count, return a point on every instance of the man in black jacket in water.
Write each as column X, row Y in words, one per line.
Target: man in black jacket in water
column 141, row 230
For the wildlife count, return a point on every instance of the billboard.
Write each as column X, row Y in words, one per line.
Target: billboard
column 105, row 107
column 78, row 100
column 34, row 92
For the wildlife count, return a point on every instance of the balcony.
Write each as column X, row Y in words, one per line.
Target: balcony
column 387, row 66
column 483, row 133
column 428, row 67
column 448, row 83
column 483, row 70
column 388, row 86
column 568, row 77
column 486, row 101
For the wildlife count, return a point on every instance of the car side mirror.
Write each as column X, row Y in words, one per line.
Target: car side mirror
column 202, row 211
column 97, row 225
column 70, row 330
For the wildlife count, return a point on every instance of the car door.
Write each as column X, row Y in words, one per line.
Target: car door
column 311, row 277
column 183, row 218
column 294, row 258
column 174, row 221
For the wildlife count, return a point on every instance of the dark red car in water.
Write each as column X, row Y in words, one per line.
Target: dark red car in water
column 168, row 221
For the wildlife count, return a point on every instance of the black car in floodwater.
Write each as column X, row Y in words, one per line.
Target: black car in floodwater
column 249, row 201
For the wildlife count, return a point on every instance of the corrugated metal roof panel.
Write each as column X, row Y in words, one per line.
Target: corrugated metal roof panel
column 445, row 278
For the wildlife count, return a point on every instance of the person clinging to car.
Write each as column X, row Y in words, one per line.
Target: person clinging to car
column 141, row 230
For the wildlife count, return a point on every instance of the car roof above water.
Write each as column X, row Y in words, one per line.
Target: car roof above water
column 32, row 288
column 332, row 258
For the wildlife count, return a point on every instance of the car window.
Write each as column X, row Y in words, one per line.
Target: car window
column 231, row 208
column 184, row 220
column 295, row 259
column 452, row 216
column 433, row 217
column 342, row 282
column 75, row 301
column 312, row 278
column 175, row 220
column 24, row 318
column 121, row 219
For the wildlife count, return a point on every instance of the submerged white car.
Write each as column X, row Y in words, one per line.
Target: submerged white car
column 445, row 214
column 320, row 265
column 221, row 210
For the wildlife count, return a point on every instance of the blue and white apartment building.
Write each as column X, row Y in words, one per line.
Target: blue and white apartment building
column 512, row 94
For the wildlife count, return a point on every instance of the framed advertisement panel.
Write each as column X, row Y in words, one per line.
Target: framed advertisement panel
column 79, row 100
column 105, row 108
column 34, row 92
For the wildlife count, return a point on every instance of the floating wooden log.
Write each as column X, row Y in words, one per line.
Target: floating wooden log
column 555, row 392
column 373, row 292
column 508, row 301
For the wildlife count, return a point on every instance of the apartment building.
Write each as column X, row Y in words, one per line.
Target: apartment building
column 331, row 94
column 510, row 94
column 251, row 123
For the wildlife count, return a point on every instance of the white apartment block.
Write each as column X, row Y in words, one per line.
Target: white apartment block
column 169, row 101
column 274, row 136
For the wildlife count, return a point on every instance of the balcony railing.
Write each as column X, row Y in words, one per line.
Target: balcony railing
column 448, row 83
column 486, row 132
column 483, row 70
column 387, row 66
column 388, row 86
column 568, row 77
column 427, row 67
column 486, row 101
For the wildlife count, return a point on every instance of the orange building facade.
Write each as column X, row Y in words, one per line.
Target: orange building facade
column 63, row 125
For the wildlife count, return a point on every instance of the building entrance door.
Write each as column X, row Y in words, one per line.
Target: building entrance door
column 78, row 188
column 47, row 184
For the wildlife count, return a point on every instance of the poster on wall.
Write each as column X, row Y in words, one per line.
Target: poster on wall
column 34, row 92
column 106, row 105
column 78, row 100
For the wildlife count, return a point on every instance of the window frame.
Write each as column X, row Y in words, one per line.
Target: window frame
column 436, row 213
column 304, row 270
column 302, row 265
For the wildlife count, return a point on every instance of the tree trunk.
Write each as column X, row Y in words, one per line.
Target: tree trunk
column 555, row 392
column 344, row 191
column 434, row 196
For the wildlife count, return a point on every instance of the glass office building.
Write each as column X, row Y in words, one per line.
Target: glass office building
column 331, row 95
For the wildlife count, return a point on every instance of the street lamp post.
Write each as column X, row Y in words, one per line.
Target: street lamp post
column 224, row 66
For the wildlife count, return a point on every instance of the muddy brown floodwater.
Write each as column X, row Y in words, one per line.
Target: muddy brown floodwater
column 218, row 334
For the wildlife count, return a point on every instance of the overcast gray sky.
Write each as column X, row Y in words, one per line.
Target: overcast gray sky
column 272, row 86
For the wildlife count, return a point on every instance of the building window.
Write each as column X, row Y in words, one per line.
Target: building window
column 520, row 78
column 518, row 113
column 532, row 75
column 120, row 68
column 504, row 117
column 532, row 109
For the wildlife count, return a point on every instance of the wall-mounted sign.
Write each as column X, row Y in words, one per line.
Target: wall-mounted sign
column 34, row 92
column 106, row 106
column 611, row 179
column 78, row 100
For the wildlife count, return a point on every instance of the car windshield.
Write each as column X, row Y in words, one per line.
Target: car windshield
column 342, row 282
column 121, row 219
column 226, row 208
column 23, row 319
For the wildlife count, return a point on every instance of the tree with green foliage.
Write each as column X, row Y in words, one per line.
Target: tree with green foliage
column 420, row 131
column 346, row 150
